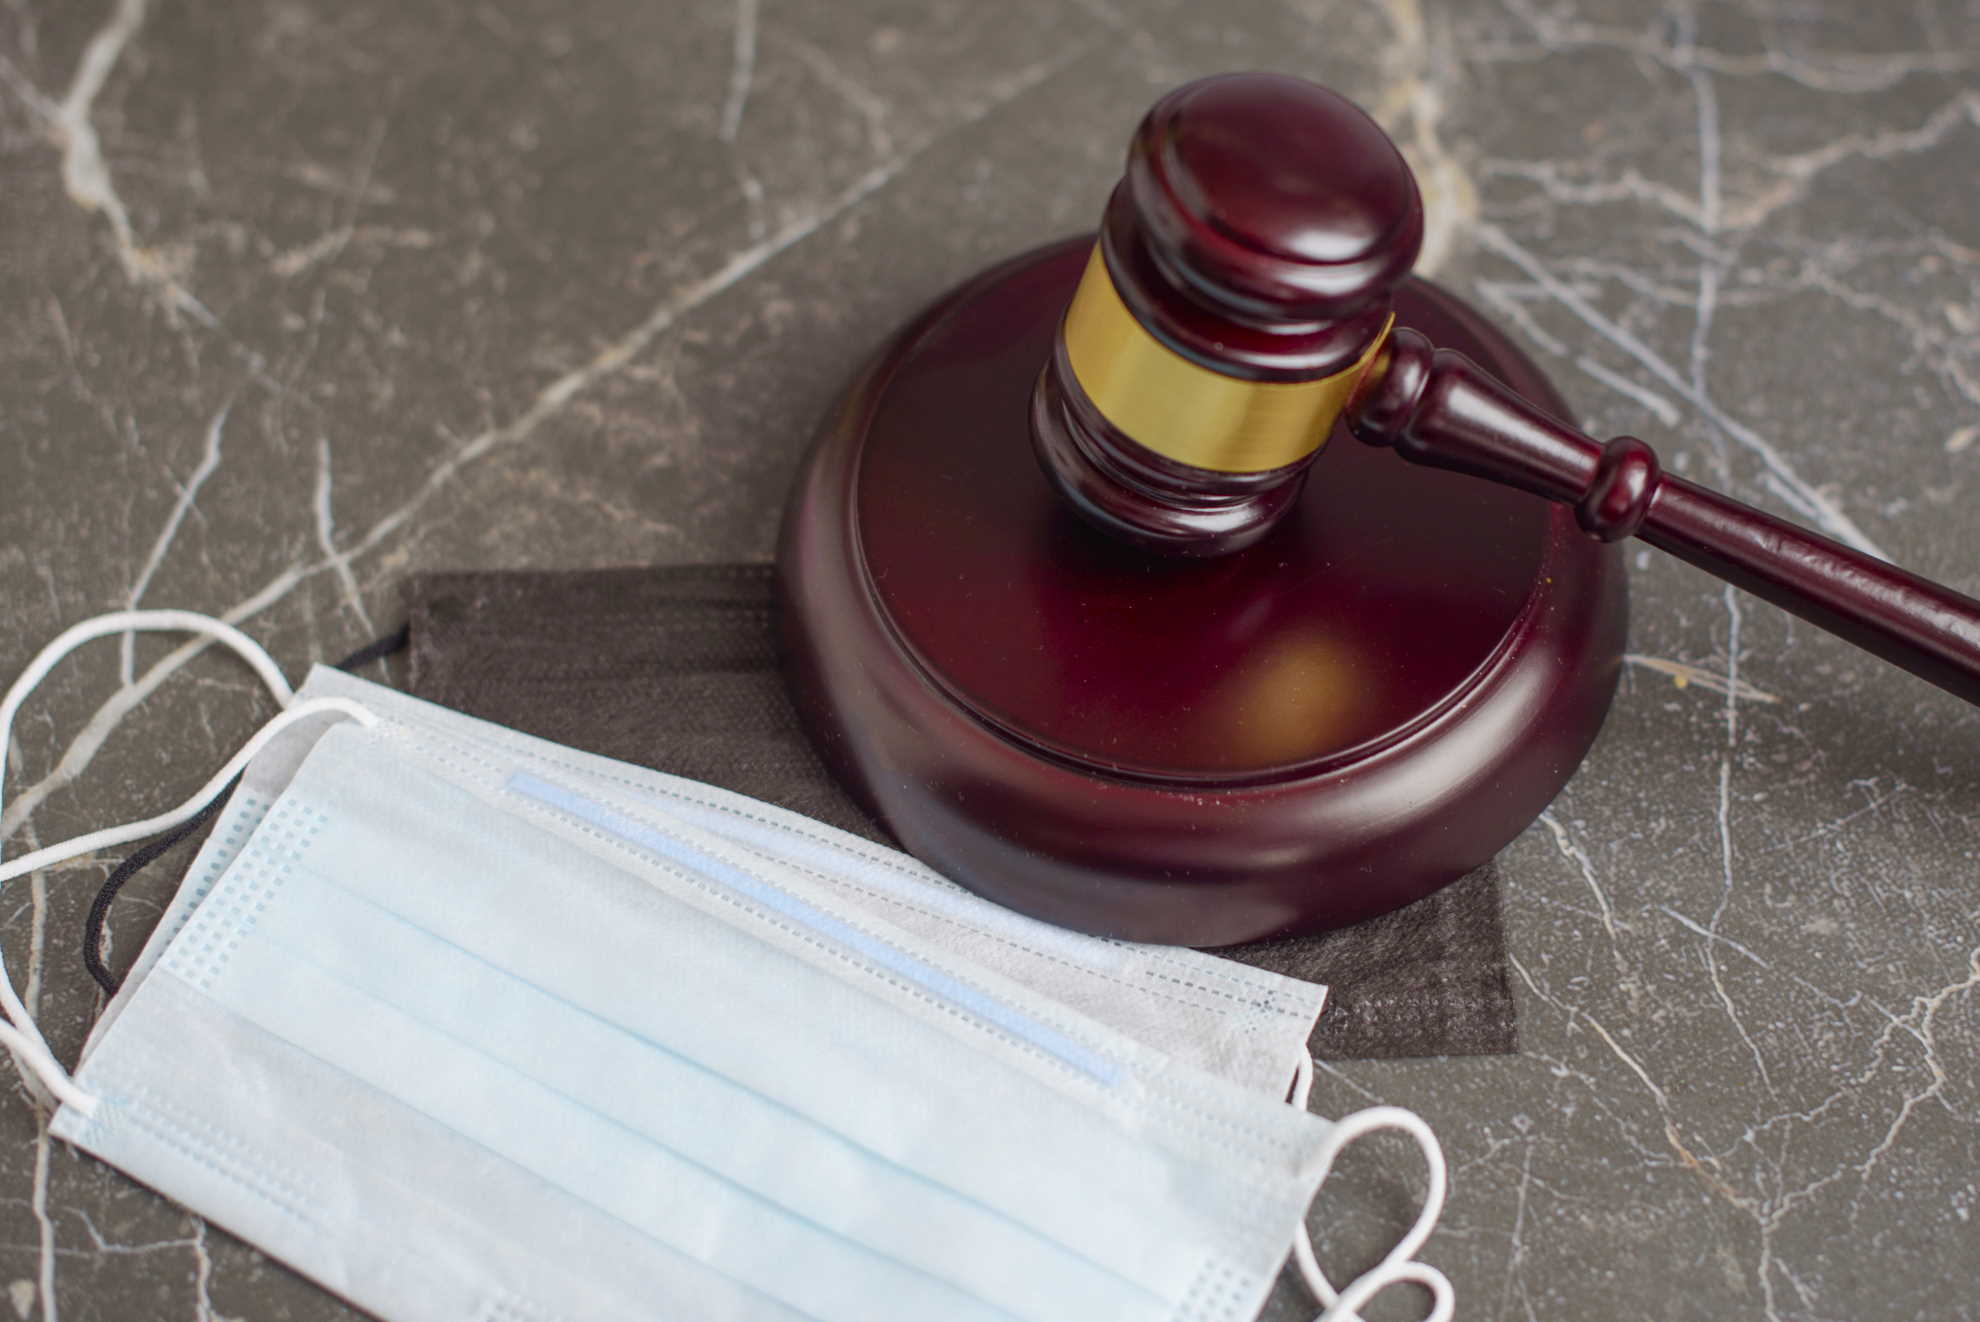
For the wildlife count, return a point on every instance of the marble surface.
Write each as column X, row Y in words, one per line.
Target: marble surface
column 297, row 297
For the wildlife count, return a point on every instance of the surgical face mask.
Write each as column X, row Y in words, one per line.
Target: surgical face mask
column 466, row 1026
column 1231, row 1019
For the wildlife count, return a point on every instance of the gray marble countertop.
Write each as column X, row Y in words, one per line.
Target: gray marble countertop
column 295, row 298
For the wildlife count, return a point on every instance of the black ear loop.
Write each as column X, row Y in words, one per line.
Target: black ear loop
column 147, row 853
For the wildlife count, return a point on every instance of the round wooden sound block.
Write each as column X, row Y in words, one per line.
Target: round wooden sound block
column 1337, row 720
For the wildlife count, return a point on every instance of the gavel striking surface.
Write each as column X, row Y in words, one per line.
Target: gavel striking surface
column 1327, row 725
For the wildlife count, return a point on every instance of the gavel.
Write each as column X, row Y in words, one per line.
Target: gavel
column 1082, row 602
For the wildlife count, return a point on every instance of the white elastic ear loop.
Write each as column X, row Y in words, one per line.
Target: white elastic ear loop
column 23, row 1038
column 185, row 812
column 1398, row 1264
column 1443, row 1296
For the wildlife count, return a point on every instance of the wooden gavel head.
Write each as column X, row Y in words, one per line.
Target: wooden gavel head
column 1241, row 286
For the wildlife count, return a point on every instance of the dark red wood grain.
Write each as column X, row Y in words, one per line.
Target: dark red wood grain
column 1138, row 497
column 1260, row 226
column 1260, row 229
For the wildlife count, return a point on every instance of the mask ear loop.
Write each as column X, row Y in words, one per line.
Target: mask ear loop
column 20, row 1035
column 1399, row 1264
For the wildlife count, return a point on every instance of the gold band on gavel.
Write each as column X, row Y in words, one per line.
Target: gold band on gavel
column 1190, row 413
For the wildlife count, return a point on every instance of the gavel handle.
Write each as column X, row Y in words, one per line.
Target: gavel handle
column 1439, row 408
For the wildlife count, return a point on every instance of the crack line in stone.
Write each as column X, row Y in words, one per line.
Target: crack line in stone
column 188, row 494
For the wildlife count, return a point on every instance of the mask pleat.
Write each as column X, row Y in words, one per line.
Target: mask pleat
column 470, row 1233
column 1240, row 1022
column 668, row 966
column 644, row 1133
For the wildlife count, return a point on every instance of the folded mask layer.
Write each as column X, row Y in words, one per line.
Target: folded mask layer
column 1240, row 1022
column 468, row 1027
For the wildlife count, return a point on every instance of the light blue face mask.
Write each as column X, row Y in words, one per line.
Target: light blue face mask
column 467, row 1026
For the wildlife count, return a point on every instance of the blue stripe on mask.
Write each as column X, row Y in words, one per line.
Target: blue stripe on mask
column 930, row 979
